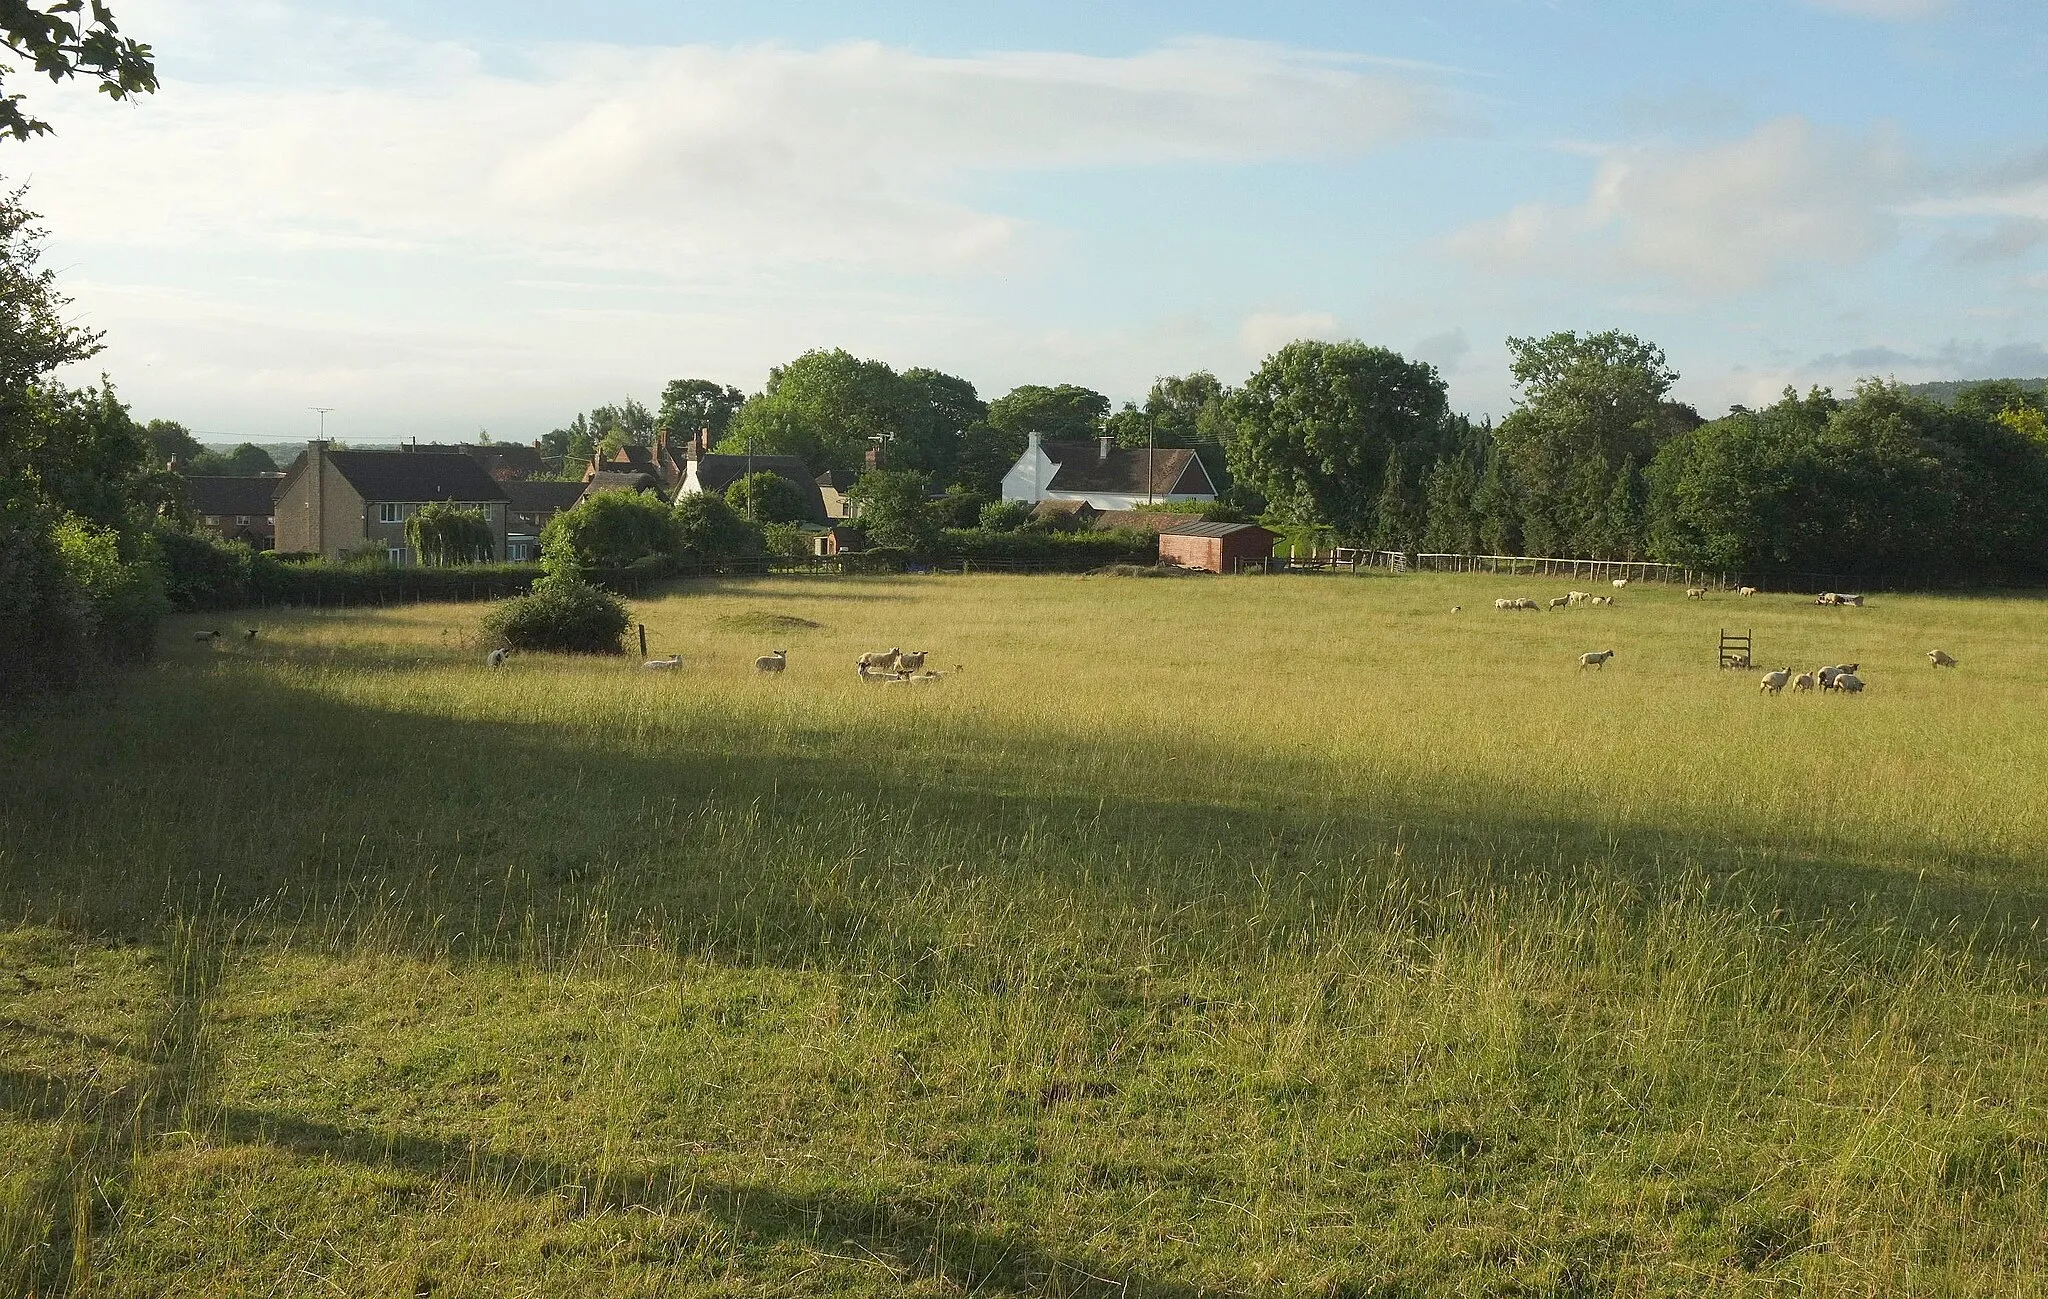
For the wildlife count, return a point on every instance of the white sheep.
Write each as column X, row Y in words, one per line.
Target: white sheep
column 1940, row 658
column 1620, row 583
column 1803, row 682
column 1745, row 590
column 1503, row 604
column 1457, row 608
column 882, row 660
column 873, row 677
column 1601, row 601
column 1524, row 602
column 1597, row 659
column 911, row 662
column 663, row 665
column 1849, row 683
column 496, row 658
column 1560, row 602
column 1577, row 597
column 773, row 661
column 1695, row 592
column 1829, row 675
column 1774, row 682
column 206, row 635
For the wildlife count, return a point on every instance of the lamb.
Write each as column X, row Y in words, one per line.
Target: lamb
column 1457, row 608
column 1597, row 659
column 663, row 665
column 1577, row 597
column 1829, row 676
column 496, row 658
column 1601, row 601
column 1745, row 590
column 1940, row 659
column 1828, row 597
column 773, row 661
column 1503, row 604
column 250, row 635
column 1524, row 602
column 1695, row 592
column 1803, row 682
column 1560, row 602
column 1849, row 683
column 1774, row 682
column 1620, row 583
column 873, row 677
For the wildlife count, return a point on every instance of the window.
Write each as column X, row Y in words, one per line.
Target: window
column 241, row 520
column 397, row 556
column 213, row 520
column 391, row 512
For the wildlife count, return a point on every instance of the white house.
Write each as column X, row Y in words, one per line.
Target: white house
column 1105, row 475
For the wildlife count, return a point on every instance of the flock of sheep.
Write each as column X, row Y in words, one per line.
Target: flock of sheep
column 890, row 667
column 1568, row 599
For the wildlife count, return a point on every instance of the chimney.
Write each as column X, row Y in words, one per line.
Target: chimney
column 1104, row 444
column 874, row 458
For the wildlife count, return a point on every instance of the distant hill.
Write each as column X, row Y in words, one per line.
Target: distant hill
column 1945, row 390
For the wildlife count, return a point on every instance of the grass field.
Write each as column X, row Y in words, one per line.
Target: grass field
column 1259, row 935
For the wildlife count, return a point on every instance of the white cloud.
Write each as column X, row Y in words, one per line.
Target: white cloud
column 1264, row 332
column 1892, row 11
column 677, row 158
column 1719, row 218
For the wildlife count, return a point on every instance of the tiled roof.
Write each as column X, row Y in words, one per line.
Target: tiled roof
column 502, row 460
column 212, row 494
column 1083, row 468
column 612, row 480
column 416, row 476
column 532, row 495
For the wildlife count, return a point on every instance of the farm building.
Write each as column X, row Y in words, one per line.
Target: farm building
column 1105, row 475
column 1217, row 547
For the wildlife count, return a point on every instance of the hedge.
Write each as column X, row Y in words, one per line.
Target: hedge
column 1079, row 551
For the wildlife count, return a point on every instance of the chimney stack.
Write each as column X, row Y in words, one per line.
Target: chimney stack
column 1105, row 444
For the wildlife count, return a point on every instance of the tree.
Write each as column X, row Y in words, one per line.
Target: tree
column 609, row 530
column 602, row 428
column 688, row 405
column 767, row 497
column 169, row 440
column 826, row 408
column 937, row 410
column 709, row 532
column 59, row 43
column 1398, row 514
column 986, row 454
column 443, row 535
column 1312, row 429
column 1450, row 520
column 245, row 461
column 1067, row 411
column 894, row 509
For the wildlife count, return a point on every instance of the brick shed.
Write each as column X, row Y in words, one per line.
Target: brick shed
column 1218, row 547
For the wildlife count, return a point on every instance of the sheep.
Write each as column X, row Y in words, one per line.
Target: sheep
column 1503, row 604
column 496, row 658
column 911, row 662
column 1620, row 583
column 1940, row 659
column 249, row 636
column 884, row 660
column 773, row 661
column 1597, row 659
column 1774, row 682
column 1560, row 602
column 1695, row 592
column 873, row 677
column 1828, row 597
column 1457, row 608
column 915, row 679
column 1601, row 601
column 663, row 665
column 1524, row 602
column 1854, row 601
column 204, row 636
column 1802, row 683
column 1745, row 590
column 1849, row 683
column 1577, row 597
column 1829, row 676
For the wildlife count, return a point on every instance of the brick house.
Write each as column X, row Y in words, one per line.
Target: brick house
column 331, row 502
column 236, row 508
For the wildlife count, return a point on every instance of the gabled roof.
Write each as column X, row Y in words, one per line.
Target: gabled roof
column 716, row 473
column 1084, row 468
column 612, row 480
column 501, row 460
column 1053, row 508
column 220, row 494
column 1200, row 528
column 531, row 495
column 415, row 476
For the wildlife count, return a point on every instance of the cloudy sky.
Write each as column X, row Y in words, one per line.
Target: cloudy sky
column 473, row 214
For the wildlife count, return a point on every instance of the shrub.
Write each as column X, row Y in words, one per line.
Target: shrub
column 773, row 498
column 561, row 616
column 894, row 510
column 123, row 594
column 609, row 530
column 442, row 534
column 202, row 572
column 709, row 533
column 787, row 540
column 1075, row 552
column 1005, row 516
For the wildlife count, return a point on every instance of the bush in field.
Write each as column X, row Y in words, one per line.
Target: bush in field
column 561, row 616
column 609, row 530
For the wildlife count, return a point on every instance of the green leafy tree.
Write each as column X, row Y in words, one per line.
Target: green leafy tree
column 1066, row 411
column 937, row 411
column 169, row 440
column 70, row 38
column 708, row 531
column 444, row 535
column 1450, row 515
column 893, row 508
column 1005, row 516
column 826, row 408
column 986, row 454
column 609, row 530
column 767, row 497
column 1399, row 514
column 244, row 461
column 1312, row 429
column 602, row 428
column 688, row 405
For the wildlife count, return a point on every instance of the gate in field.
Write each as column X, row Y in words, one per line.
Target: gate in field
column 1738, row 651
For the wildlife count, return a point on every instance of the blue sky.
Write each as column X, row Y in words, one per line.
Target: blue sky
column 477, row 217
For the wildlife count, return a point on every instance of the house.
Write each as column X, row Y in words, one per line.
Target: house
column 237, row 508
column 832, row 488
column 838, row 540
column 504, row 461
column 709, row 473
column 333, row 502
column 1217, row 547
column 530, row 503
column 1105, row 475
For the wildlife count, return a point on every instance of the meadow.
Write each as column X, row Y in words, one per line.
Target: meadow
column 1197, row 937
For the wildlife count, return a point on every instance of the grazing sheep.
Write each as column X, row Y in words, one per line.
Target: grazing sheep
column 1774, row 682
column 1940, row 659
column 1503, row 604
column 882, row 660
column 1803, row 682
column 496, row 658
column 1597, row 659
column 1620, row 583
column 1524, row 602
column 1745, row 590
column 1849, row 683
column 1601, row 601
column 1828, row 674
column 206, row 635
column 1457, row 608
column 1577, row 597
column 663, row 665
column 1695, row 592
column 773, row 661
column 1560, row 602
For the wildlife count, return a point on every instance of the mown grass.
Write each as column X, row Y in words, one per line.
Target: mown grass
column 1202, row 937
